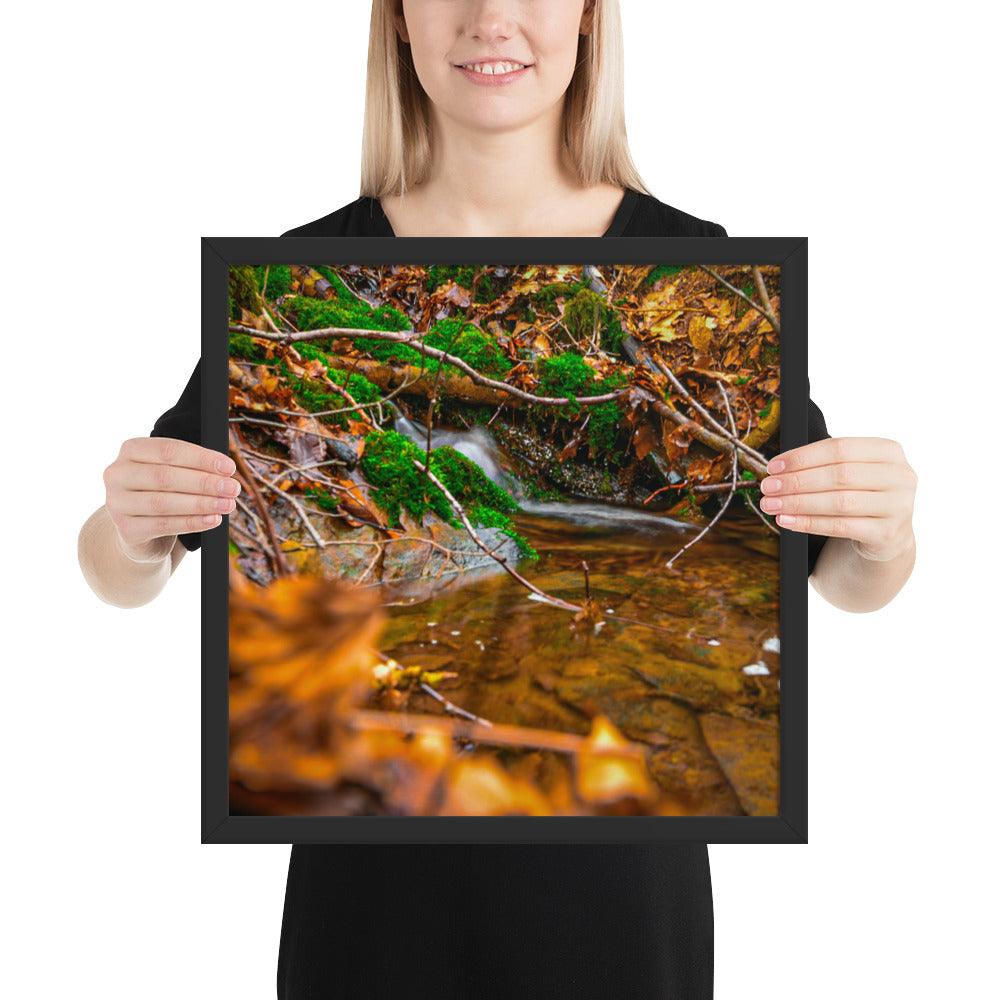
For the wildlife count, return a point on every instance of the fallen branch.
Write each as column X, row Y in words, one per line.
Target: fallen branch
column 281, row 567
column 729, row 496
column 410, row 338
column 497, row 734
column 729, row 435
column 501, row 560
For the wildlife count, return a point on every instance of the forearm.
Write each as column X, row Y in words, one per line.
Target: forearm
column 851, row 582
column 124, row 579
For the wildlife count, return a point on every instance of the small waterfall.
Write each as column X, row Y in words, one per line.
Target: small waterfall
column 476, row 444
column 479, row 445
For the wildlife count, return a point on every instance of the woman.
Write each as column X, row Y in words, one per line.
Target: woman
column 495, row 117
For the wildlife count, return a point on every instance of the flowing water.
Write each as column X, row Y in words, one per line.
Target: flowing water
column 693, row 672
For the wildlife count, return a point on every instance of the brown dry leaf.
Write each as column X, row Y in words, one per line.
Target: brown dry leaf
column 700, row 331
column 644, row 439
column 603, row 778
column 480, row 787
column 354, row 501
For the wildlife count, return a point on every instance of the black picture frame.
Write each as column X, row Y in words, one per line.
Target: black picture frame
column 219, row 826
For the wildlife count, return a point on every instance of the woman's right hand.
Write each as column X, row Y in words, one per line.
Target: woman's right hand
column 160, row 487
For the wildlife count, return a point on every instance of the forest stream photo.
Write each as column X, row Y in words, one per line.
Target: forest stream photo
column 498, row 548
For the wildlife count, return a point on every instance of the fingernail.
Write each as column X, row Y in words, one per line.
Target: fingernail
column 770, row 504
column 785, row 519
column 770, row 485
column 776, row 465
column 224, row 465
column 227, row 487
column 209, row 519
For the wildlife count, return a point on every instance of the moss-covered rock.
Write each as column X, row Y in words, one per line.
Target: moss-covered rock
column 388, row 464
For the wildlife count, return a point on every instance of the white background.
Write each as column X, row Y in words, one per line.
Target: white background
column 133, row 129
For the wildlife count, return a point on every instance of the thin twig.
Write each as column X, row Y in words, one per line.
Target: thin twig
column 452, row 708
column 281, row 567
column 729, row 496
column 726, row 433
column 764, row 310
column 501, row 560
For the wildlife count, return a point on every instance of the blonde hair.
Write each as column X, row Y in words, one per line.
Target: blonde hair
column 396, row 143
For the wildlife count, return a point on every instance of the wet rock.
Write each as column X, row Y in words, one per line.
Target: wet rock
column 680, row 762
column 747, row 750
column 537, row 459
column 434, row 550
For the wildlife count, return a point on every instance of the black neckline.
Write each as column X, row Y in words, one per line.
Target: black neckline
column 621, row 217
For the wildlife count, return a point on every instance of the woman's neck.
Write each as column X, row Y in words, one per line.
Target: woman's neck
column 501, row 184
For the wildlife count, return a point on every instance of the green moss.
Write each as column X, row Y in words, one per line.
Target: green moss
column 585, row 311
column 441, row 274
column 388, row 464
column 570, row 376
column 565, row 375
column 279, row 280
column 537, row 492
column 605, row 418
column 386, row 350
column 241, row 345
column 466, row 341
column 545, row 297
column 361, row 389
column 323, row 499
column 454, row 336
column 486, row 287
column 242, row 292
column 612, row 334
column 343, row 311
column 316, row 396
column 663, row 271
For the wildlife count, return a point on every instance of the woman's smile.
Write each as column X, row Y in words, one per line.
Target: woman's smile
column 494, row 72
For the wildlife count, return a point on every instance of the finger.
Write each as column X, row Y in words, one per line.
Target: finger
column 846, row 503
column 845, row 476
column 173, row 479
column 831, row 451
column 150, row 503
column 137, row 530
column 866, row 530
column 174, row 451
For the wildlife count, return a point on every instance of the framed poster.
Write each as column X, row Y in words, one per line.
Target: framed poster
column 498, row 570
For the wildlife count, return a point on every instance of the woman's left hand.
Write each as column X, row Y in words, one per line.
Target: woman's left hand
column 860, row 488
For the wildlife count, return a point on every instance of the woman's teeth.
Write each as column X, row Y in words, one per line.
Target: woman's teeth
column 493, row 69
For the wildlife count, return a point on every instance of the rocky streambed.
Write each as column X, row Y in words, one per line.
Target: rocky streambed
column 684, row 660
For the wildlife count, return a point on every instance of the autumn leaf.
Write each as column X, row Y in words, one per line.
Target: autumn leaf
column 603, row 777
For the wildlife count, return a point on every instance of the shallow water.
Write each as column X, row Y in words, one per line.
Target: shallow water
column 681, row 687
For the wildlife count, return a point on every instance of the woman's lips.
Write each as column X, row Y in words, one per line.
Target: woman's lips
column 494, row 80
